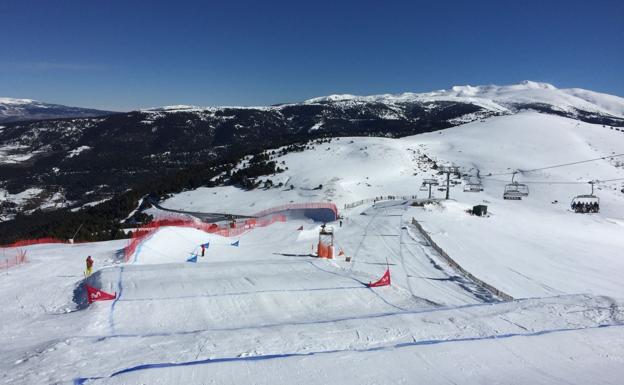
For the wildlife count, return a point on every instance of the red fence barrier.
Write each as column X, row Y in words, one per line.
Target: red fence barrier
column 230, row 230
column 38, row 241
column 14, row 260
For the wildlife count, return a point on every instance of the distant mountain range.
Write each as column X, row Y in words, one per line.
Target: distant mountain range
column 15, row 110
column 74, row 160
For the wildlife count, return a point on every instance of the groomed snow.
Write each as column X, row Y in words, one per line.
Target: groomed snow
column 267, row 306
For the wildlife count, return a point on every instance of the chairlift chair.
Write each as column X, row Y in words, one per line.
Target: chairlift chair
column 586, row 203
column 515, row 190
column 473, row 187
column 423, row 187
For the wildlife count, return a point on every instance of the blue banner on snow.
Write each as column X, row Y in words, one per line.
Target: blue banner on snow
column 235, row 243
column 192, row 259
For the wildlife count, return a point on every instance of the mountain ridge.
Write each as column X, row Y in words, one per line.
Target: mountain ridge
column 16, row 110
column 489, row 96
column 70, row 162
column 524, row 92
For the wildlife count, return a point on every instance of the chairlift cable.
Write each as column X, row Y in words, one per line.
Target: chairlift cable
column 560, row 182
column 554, row 166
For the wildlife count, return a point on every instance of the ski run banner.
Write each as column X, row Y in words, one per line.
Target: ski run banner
column 383, row 281
column 94, row 294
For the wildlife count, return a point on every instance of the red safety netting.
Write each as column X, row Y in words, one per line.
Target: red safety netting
column 232, row 229
column 13, row 260
column 38, row 241
column 299, row 206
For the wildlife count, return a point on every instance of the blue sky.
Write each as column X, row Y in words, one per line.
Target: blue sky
column 125, row 54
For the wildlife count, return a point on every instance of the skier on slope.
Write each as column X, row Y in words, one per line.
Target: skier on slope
column 203, row 250
column 89, row 266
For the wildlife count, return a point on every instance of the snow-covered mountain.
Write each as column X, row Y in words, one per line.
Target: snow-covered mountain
column 82, row 160
column 502, row 99
column 14, row 110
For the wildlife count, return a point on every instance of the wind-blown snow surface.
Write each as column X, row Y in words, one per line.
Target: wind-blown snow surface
column 268, row 312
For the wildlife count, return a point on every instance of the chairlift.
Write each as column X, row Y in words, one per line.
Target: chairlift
column 423, row 187
column 473, row 187
column 586, row 203
column 515, row 190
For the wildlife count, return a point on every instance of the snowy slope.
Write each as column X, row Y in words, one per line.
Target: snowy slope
column 267, row 311
column 270, row 308
column 539, row 247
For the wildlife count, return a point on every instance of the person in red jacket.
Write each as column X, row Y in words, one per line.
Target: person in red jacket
column 89, row 266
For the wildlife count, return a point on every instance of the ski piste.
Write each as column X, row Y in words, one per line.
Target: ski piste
column 268, row 310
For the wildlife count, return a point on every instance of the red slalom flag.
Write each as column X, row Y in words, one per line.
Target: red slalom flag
column 300, row 228
column 383, row 281
column 94, row 294
column 341, row 252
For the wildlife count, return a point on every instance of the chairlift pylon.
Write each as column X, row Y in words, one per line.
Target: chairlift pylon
column 515, row 190
column 427, row 183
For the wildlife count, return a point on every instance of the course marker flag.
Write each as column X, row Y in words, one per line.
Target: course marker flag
column 192, row 259
column 94, row 294
column 235, row 243
column 300, row 228
column 383, row 281
column 206, row 245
